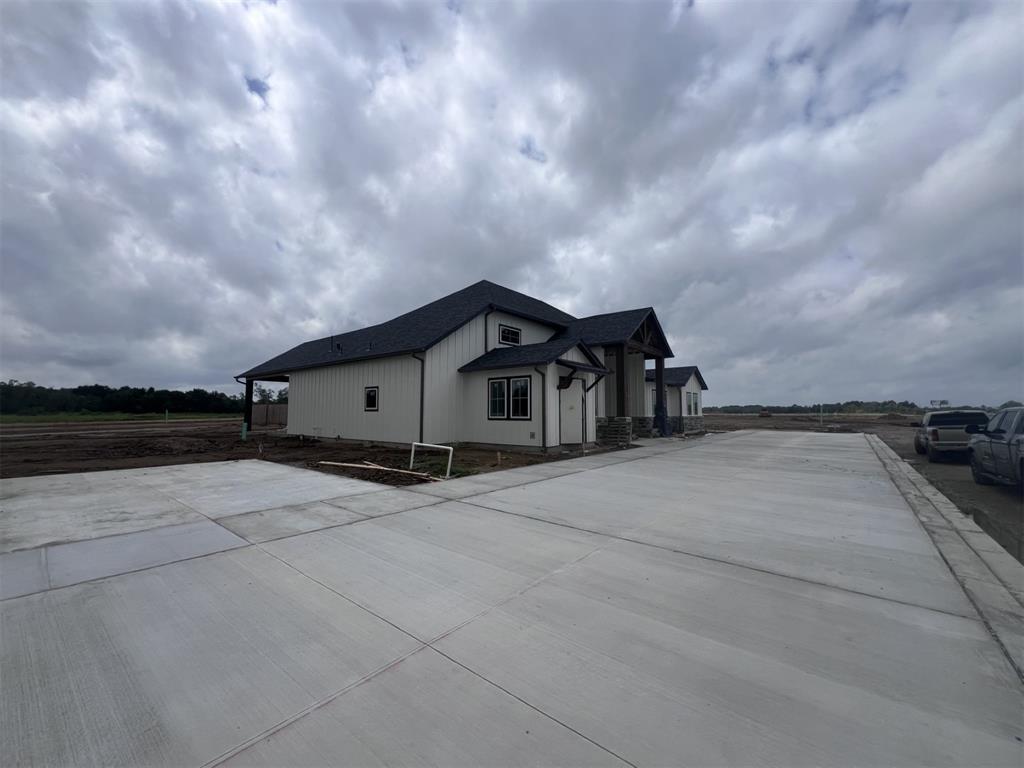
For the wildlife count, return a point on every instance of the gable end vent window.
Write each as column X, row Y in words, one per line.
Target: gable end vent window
column 370, row 399
column 509, row 335
column 509, row 398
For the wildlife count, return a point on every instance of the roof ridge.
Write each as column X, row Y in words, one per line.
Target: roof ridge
column 618, row 312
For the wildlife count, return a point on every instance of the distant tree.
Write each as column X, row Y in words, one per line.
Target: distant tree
column 282, row 395
column 1010, row 404
column 263, row 395
column 28, row 398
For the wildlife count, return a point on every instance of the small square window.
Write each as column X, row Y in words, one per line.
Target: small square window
column 370, row 401
column 509, row 335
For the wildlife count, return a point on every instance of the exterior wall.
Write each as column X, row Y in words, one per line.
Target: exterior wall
column 635, row 385
column 674, row 400
column 532, row 332
column 328, row 402
column 592, row 399
column 600, row 404
column 477, row 428
column 444, row 386
column 693, row 385
column 446, row 391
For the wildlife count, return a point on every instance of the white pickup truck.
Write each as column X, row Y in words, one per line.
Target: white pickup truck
column 945, row 432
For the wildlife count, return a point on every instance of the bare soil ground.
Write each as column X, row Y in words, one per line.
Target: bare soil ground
column 997, row 509
column 44, row 449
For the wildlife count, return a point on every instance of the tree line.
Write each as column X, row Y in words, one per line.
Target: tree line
column 849, row 406
column 28, row 398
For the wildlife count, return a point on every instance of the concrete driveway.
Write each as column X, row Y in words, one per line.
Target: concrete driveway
column 755, row 598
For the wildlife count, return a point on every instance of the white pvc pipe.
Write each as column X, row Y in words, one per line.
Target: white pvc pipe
column 412, row 455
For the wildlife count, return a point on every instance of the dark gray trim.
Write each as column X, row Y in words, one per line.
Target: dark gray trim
column 574, row 367
column 543, row 409
column 502, row 326
column 497, row 418
column 376, row 399
column 508, row 398
column 423, row 374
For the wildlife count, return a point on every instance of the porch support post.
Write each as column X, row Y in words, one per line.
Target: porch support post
column 660, row 412
column 620, row 381
column 248, row 405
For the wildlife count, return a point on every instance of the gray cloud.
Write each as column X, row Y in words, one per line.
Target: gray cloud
column 822, row 200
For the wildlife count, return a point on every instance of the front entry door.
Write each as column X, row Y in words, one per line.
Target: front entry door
column 570, row 413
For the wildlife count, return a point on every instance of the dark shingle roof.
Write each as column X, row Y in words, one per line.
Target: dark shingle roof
column 528, row 354
column 604, row 329
column 613, row 328
column 414, row 331
column 679, row 375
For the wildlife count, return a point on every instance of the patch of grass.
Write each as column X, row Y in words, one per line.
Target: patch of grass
column 83, row 416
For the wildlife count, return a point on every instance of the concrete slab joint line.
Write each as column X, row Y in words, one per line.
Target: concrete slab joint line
column 998, row 606
column 763, row 598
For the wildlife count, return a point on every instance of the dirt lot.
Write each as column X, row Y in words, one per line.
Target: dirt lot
column 43, row 449
column 997, row 509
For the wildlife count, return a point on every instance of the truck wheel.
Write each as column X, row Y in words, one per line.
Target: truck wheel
column 918, row 448
column 979, row 477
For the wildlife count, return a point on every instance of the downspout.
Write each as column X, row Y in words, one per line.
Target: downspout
column 487, row 330
column 543, row 409
column 423, row 366
column 586, row 391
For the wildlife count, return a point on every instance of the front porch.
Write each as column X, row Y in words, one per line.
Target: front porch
column 625, row 387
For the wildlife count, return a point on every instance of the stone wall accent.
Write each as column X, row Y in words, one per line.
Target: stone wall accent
column 643, row 426
column 693, row 424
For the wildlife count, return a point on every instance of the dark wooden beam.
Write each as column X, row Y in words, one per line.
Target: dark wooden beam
column 647, row 349
column 620, row 380
column 248, row 404
column 660, row 411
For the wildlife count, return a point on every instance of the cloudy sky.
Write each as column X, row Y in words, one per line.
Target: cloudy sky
column 821, row 200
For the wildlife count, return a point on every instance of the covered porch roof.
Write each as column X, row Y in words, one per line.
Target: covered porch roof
column 638, row 329
column 535, row 354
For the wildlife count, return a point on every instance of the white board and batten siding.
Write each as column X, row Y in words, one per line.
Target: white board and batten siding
column 328, row 401
column 572, row 410
column 455, row 403
column 477, row 428
column 443, row 384
column 636, row 386
column 693, row 385
column 531, row 332
column 676, row 398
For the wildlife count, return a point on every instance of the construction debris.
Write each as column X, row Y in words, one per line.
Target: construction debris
column 377, row 467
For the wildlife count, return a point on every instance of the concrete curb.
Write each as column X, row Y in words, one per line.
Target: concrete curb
column 990, row 576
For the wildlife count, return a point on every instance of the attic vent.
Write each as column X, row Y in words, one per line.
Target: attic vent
column 338, row 346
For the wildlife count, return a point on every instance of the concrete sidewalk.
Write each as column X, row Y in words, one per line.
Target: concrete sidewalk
column 752, row 598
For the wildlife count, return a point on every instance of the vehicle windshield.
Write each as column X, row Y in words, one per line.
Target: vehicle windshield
column 957, row 419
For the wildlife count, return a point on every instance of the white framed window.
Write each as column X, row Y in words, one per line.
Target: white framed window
column 497, row 398
column 509, row 335
column 371, row 401
column 509, row 398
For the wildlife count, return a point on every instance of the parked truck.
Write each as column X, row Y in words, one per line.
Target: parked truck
column 944, row 433
column 997, row 449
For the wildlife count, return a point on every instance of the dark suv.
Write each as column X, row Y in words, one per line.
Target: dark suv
column 997, row 449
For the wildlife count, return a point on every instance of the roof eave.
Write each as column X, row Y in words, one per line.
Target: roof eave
column 253, row 374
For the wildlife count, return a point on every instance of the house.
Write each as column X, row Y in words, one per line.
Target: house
column 485, row 365
column 683, row 387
